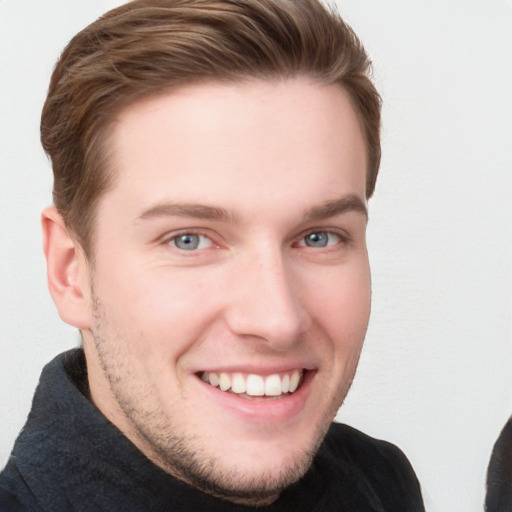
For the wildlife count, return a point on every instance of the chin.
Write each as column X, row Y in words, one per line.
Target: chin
column 252, row 486
column 252, row 473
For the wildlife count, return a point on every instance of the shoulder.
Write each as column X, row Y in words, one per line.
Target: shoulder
column 499, row 473
column 373, row 457
column 361, row 448
column 378, row 467
column 15, row 495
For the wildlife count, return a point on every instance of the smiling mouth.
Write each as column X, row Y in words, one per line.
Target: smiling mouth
column 253, row 386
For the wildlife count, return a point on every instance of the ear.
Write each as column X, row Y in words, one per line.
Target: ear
column 67, row 271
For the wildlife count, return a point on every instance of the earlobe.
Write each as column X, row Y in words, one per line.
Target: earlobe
column 67, row 272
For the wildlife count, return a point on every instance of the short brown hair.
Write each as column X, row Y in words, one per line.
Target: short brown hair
column 148, row 47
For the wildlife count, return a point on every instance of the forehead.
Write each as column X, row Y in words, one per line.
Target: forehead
column 218, row 143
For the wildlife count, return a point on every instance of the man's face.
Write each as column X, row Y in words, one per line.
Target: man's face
column 231, row 248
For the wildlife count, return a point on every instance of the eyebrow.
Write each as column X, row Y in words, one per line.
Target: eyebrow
column 331, row 208
column 334, row 207
column 197, row 211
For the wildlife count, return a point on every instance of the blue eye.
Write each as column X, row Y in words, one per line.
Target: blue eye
column 320, row 239
column 190, row 242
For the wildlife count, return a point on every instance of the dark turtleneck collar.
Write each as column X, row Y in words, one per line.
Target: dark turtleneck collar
column 71, row 458
column 75, row 459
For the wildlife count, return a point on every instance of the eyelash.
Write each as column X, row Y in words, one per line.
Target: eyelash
column 192, row 233
column 343, row 239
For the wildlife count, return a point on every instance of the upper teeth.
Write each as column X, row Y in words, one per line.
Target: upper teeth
column 255, row 385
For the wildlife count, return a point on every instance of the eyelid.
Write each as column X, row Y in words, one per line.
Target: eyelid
column 170, row 236
column 342, row 234
column 203, row 242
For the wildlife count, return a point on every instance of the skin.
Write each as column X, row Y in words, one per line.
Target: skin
column 253, row 169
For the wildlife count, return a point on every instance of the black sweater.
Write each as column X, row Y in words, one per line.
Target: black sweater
column 69, row 457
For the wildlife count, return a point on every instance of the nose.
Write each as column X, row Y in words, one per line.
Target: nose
column 265, row 301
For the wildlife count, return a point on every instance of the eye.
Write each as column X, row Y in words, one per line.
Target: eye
column 190, row 241
column 320, row 239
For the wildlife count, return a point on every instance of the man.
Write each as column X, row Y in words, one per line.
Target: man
column 499, row 473
column 212, row 164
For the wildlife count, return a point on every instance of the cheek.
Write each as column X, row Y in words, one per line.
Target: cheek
column 166, row 310
column 344, row 306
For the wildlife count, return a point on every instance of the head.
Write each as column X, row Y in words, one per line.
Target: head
column 146, row 48
column 212, row 165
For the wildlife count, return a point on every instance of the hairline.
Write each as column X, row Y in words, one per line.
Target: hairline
column 106, row 131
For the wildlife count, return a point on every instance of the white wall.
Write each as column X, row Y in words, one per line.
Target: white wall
column 435, row 373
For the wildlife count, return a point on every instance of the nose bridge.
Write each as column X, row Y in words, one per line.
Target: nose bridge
column 267, row 304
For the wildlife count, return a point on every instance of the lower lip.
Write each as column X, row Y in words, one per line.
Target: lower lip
column 272, row 410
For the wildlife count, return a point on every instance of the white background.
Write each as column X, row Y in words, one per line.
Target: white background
column 435, row 372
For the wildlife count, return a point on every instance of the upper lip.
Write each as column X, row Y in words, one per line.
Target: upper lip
column 257, row 369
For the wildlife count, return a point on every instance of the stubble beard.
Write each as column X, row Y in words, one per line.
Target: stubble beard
column 180, row 455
